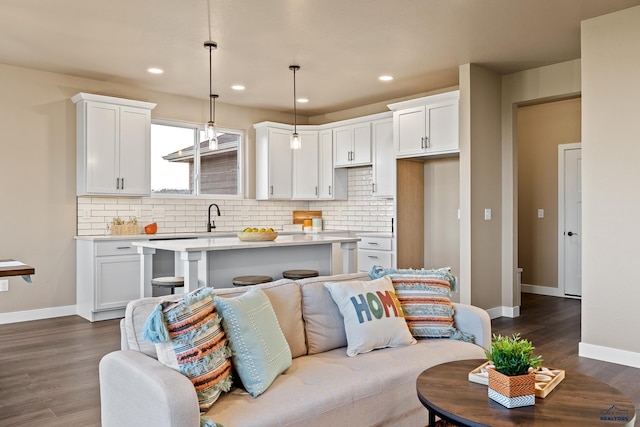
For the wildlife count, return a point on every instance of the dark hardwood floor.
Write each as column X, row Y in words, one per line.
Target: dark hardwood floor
column 49, row 368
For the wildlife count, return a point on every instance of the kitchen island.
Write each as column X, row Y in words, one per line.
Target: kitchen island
column 216, row 261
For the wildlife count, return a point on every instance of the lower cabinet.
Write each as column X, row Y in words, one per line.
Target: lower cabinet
column 107, row 278
column 374, row 250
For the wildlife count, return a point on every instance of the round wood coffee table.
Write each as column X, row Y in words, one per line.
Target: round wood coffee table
column 578, row 400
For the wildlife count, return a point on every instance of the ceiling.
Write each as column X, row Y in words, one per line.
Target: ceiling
column 342, row 46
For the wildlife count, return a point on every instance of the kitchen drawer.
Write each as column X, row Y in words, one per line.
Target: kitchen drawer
column 368, row 258
column 377, row 243
column 117, row 247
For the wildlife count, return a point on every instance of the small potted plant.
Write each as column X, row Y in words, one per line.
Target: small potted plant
column 512, row 382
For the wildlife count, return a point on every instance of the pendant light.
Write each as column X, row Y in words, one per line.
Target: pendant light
column 212, row 128
column 296, row 143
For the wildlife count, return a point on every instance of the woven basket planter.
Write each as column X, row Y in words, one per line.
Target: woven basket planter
column 512, row 391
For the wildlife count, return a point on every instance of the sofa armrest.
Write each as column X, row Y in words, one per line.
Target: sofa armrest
column 474, row 320
column 137, row 390
column 124, row 344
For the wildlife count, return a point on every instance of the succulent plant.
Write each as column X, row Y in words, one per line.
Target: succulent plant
column 512, row 355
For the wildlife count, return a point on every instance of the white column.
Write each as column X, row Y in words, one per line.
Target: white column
column 348, row 257
column 146, row 271
column 190, row 263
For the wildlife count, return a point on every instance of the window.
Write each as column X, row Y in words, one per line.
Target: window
column 181, row 162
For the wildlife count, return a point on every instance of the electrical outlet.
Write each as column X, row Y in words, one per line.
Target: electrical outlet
column 540, row 213
column 487, row 214
column 86, row 213
column 4, row 285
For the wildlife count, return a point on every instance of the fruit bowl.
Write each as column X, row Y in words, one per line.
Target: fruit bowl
column 257, row 236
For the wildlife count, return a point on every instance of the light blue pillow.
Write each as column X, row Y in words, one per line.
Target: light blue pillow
column 260, row 350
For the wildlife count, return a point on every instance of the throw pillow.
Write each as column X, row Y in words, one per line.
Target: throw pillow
column 425, row 296
column 260, row 350
column 189, row 338
column 373, row 317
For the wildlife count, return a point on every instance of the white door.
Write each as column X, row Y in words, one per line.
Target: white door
column 571, row 233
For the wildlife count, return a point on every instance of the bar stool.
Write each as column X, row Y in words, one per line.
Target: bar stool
column 168, row 282
column 299, row 274
column 251, row 280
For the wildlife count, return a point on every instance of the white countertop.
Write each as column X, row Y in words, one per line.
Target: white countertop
column 226, row 243
column 217, row 234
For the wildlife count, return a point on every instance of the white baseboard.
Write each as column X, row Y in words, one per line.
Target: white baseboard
column 609, row 354
column 541, row 290
column 503, row 311
column 42, row 313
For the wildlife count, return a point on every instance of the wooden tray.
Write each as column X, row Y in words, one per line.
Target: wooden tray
column 544, row 385
column 257, row 236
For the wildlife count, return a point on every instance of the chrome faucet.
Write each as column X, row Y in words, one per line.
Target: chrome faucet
column 211, row 224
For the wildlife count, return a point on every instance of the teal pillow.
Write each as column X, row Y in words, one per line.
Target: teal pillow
column 260, row 350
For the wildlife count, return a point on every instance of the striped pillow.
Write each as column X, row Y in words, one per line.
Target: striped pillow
column 190, row 339
column 425, row 296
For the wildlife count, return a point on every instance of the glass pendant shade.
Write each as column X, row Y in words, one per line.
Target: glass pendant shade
column 296, row 144
column 212, row 135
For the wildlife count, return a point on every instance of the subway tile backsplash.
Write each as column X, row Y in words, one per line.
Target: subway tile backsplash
column 361, row 212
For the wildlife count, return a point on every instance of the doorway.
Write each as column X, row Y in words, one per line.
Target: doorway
column 541, row 129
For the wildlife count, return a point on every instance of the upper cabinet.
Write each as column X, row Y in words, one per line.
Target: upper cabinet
column 113, row 145
column 352, row 145
column 384, row 161
column 304, row 174
column 273, row 163
column 426, row 126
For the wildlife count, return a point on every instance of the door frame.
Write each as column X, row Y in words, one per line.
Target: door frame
column 561, row 220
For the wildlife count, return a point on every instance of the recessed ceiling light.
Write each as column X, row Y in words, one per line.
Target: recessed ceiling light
column 154, row 70
column 302, row 100
column 385, row 78
column 237, row 87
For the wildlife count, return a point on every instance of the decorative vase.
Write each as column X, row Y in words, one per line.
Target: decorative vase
column 512, row 391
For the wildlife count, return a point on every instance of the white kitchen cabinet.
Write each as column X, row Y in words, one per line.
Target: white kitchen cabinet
column 273, row 163
column 384, row 162
column 352, row 145
column 427, row 126
column 107, row 278
column 113, row 145
column 333, row 183
column 305, row 185
column 374, row 250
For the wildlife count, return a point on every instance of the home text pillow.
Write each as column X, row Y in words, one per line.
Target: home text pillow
column 425, row 296
column 190, row 339
column 373, row 317
column 260, row 350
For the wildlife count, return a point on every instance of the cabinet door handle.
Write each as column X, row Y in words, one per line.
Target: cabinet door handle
column 372, row 243
column 329, row 190
column 122, row 183
column 316, row 190
column 426, row 140
column 271, row 191
column 422, row 142
column 373, row 257
column 373, row 187
column 124, row 247
column 117, row 183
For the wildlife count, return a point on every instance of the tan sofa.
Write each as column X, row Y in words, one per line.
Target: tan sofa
column 322, row 387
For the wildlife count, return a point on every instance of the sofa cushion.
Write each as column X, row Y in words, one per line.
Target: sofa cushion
column 323, row 322
column 373, row 317
column 377, row 388
column 425, row 296
column 189, row 339
column 285, row 297
column 260, row 350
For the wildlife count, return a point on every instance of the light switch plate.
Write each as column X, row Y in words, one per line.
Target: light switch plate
column 487, row 214
column 4, row 285
column 540, row 213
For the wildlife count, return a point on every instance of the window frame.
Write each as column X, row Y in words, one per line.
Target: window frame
column 198, row 128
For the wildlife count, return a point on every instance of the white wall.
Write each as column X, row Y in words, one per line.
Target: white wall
column 611, row 204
